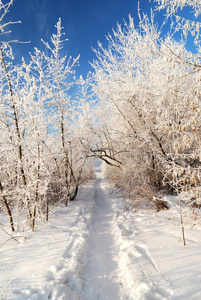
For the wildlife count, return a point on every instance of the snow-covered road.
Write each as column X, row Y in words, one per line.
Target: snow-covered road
column 100, row 276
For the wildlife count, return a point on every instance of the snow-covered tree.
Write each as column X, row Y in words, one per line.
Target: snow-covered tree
column 59, row 75
column 147, row 84
column 10, row 116
column 42, row 159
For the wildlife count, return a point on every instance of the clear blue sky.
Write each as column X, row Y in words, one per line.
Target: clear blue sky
column 84, row 21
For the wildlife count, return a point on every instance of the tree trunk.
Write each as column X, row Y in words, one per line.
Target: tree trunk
column 16, row 121
column 37, row 184
column 7, row 207
column 73, row 196
column 66, row 162
column 47, row 208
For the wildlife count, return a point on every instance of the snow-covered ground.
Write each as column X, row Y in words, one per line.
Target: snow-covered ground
column 98, row 248
column 47, row 264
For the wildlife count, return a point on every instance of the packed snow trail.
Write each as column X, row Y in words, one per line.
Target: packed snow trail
column 100, row 280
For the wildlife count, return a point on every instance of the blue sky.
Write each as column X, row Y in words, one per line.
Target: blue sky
column 84, row 21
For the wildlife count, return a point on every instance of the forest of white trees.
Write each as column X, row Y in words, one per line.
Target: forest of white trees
column 139, row 111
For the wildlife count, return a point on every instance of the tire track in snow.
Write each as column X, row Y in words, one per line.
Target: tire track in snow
column 100, row 279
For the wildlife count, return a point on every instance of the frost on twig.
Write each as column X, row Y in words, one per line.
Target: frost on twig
column 12, row 238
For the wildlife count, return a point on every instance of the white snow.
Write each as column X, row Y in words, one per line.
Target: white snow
column 100, row 276
column 100, row 248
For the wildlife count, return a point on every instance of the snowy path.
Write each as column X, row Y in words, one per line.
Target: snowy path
column 99, row 248
column 100, row 279
column 119, row 263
